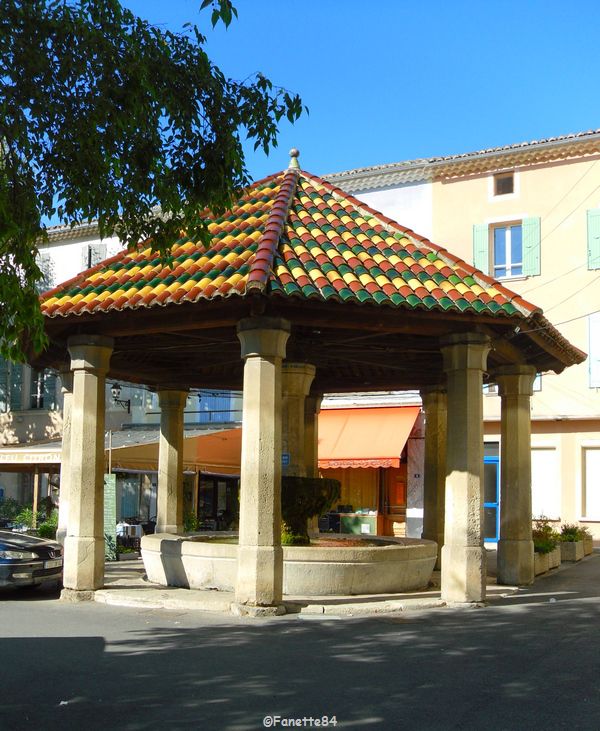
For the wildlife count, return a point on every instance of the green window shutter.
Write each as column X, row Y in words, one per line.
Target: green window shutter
column 4, row 390
column 50, row 400
column 531, row 246
column 593, row 238
column 481, row 247
column 15, row 386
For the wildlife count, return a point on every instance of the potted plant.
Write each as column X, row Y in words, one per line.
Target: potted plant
column 571, row 543
column 545, row 545
column 588, row 540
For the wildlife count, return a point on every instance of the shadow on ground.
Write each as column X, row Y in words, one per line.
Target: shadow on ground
column 525, row 662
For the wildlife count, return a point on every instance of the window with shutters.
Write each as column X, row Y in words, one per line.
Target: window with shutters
column 507, row 249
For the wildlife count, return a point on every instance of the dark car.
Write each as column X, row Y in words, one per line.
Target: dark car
column 28, row 561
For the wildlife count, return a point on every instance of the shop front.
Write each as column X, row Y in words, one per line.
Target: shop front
column 369, row 450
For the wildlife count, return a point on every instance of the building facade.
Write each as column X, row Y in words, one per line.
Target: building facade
column 529, row 216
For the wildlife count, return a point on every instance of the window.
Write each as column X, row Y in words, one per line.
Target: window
column 545, row 486
column 590, row 507
column 507, row 251
column 508, row 248
column 92, row 254
column 42, row 394
column 504, row 184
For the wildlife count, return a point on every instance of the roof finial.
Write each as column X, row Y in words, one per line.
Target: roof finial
column 294, row 155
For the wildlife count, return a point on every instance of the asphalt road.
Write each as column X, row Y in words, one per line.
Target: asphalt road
column 531, row 661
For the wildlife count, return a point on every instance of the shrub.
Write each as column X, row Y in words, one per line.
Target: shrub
column 9, row 509
column 190, row 522
column 48, row 528
column 25, row 517
column 303, row 498
column 545, row 538
column 292, row 539
column 570, row 532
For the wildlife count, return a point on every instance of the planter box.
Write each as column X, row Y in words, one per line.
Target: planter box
column 554, row 558
column 588, row 546
column 571, row 550
column 541, row 564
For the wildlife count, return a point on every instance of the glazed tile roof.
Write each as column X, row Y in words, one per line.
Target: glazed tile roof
column 292, row 235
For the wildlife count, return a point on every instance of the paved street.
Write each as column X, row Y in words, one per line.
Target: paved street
column 528, row 661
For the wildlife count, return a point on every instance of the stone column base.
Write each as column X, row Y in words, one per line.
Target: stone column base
column 259, row 576
column 247, row 610
column 83, row 563
column 73, row 595
column 464, row 574
column 61, row 534
column 515, row 562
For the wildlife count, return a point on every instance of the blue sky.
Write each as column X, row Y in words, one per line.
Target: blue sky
column 393, row 80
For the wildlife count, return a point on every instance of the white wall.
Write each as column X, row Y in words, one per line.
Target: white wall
column 410, row 204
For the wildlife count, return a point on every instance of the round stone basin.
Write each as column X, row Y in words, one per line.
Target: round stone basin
column 336, row 567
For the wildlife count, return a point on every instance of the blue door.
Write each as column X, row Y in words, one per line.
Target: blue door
column 491, row 499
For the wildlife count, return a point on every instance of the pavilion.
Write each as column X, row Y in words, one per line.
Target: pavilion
column 304, row 290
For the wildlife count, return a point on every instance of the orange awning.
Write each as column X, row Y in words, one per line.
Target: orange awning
column 372, row 437
column 214, row 452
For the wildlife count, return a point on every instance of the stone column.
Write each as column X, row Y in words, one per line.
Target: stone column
column 312, row 407
column 260, row 557
column 295, row 385
column 84, row 542
column 515, row 547
column 169, row 492
column 463, row 554
column 66, row 381
column 434, row 482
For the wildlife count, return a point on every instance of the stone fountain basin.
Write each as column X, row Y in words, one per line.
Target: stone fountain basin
column 200, row 562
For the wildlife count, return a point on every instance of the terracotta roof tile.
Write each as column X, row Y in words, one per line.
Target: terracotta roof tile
column 292, row 235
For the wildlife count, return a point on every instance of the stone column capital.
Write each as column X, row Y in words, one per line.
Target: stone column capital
column 90, row 352
column 312, row 403
column 465, row 351
column 171, row 400
column 297, row 378
column 432, row 396
column 515, row 380
column 263, row 337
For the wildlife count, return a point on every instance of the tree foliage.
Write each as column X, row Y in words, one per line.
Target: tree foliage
column 106, row 117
